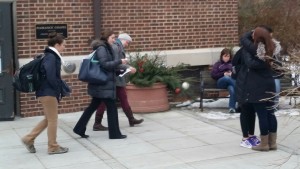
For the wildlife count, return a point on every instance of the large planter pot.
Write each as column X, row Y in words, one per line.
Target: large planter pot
column 148, row 99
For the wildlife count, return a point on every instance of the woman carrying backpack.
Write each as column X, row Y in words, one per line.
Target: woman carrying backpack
column 49, row 94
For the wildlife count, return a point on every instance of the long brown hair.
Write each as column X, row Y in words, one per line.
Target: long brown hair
column 105, row 34
column 262, row 35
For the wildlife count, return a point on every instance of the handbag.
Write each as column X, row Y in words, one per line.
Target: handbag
column 91, row 72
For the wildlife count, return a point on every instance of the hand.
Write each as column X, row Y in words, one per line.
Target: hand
column 132, row 70
column 227, row 73
column 124, row 61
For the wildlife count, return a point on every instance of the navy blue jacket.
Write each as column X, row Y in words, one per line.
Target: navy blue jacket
column 51, row 67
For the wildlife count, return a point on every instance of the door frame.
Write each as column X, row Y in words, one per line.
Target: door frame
column 15, row 50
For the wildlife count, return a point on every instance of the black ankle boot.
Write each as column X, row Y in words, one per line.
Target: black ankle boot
column 120, row 137
column 82, row 135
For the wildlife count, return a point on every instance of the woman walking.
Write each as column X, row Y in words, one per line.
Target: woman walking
column 49, row 95
column 104, row 93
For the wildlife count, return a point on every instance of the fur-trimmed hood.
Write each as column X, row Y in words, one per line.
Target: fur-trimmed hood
column 261, row 50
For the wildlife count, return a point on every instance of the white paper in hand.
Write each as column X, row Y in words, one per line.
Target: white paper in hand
column 127, row 71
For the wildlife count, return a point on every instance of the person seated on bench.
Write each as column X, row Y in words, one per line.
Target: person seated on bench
column 221, row 72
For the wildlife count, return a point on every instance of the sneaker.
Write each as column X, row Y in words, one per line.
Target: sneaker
column 60, row 150
column 254, row 140
column 29, row 147
column 231, row 110
column 246, row 144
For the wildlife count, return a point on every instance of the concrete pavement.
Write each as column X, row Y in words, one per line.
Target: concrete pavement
column 176, row 139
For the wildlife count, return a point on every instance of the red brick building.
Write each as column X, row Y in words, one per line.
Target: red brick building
column 190, row 31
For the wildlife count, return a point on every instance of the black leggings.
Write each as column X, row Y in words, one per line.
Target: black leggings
column 247, row 119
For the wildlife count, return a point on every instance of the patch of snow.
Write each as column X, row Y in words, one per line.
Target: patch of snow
column 219, row 115
column 289, row 112
column 285, row 109
column 186, row 103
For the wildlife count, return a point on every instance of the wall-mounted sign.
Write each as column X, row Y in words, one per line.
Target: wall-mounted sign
column 43, row 30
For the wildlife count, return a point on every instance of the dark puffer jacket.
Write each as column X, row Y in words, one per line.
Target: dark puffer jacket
column 254, row 80
column 51, row 67
column 106, row 57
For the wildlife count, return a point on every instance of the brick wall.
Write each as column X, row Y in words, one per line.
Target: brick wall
column 76, row 14
column 77, row 101
column 174, row 24
column 160, row 25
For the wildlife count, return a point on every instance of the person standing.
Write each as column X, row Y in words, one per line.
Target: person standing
column 276, row 74
column 104, row 93
column 49, row 95
column 247, row 117
column 221, row 72
column 119, row 46
column 259, row 87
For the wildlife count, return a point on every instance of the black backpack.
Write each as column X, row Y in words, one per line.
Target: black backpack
column 29, row 77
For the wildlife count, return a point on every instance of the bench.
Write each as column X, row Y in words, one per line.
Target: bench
column 208, row 88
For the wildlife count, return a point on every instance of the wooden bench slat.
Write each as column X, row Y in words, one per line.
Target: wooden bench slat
column 208, row 88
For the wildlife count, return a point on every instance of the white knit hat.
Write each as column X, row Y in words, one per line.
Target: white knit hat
column 125, row 36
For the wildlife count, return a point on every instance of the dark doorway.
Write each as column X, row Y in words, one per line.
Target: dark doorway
column 7, row 99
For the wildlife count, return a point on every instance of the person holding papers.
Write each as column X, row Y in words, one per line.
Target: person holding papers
column 119, row 46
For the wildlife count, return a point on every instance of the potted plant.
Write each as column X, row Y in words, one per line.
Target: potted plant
column 148, row 88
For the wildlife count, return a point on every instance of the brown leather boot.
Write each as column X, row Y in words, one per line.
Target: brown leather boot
column 134, row 121
column 272, row 141
column 97, row 125
column 131, row 119
column 264, row 144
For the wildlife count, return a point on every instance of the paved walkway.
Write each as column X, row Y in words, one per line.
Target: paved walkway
column 177, row 139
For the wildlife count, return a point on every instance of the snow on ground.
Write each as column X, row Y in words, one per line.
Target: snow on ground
column 285, row 109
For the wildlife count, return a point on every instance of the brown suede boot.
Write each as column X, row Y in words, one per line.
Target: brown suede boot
column 264, row 144
column 134, row 121
column 272, row 141
column 97, row 125
column 131, row 119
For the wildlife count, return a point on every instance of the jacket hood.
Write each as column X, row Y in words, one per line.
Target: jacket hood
column 261, row 49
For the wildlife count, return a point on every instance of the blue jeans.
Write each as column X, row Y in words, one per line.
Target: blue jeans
column 227, row 82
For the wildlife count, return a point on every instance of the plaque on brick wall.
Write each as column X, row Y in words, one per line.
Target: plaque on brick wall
column 43, row 30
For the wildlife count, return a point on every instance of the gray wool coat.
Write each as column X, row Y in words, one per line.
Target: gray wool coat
column 120, row 54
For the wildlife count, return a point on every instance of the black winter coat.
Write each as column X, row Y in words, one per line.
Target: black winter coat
column 106, row 57
column 51, row 67
column 254, row 80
